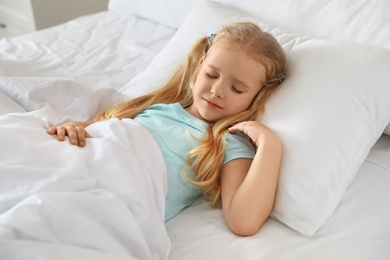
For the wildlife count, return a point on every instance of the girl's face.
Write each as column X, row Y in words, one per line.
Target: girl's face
column 227, row 83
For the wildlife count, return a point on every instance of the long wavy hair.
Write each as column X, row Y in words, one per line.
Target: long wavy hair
column 206, row 159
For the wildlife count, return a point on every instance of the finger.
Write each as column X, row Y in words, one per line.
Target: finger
column 237, row 127
column 60, row 133
column 81, row 135
column 72, row 134
column 52, row 130
column 232, row 130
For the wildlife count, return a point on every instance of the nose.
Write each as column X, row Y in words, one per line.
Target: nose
column 217, row 90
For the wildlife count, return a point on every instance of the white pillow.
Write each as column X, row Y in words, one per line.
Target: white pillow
column 359, row 21
column 387, row 130
column 329, row 112
column 167, row 12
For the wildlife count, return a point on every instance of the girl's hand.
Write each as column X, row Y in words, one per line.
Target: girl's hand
column 256, row 131
column 74, row 130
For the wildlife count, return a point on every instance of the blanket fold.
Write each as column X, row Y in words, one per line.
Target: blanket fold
column 104, row 200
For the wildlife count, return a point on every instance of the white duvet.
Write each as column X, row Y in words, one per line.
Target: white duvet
column 58, row 201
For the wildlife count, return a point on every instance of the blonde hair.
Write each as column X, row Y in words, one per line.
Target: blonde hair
column 206, row 159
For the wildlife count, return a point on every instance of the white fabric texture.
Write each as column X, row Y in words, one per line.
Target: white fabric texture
column 103, row 50
column 359, row 228
column 387, row 130
column 53, row 193
column 358, row 21
column 322, row 112
column 111, row 48
column 168, row 12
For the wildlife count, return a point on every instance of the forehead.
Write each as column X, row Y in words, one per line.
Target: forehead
column 232, row 60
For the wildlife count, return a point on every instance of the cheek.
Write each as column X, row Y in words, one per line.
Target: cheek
column 243, row 104
column 199, row 84
column 197, row 89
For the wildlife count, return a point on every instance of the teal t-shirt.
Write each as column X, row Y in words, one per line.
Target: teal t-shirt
column 172, row 127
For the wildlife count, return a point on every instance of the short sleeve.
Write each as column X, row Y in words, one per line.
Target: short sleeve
column 237, row 146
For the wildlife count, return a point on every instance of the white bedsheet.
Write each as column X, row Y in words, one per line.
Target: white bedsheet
column 103, row 201
column 101, row 50
column 358, row 230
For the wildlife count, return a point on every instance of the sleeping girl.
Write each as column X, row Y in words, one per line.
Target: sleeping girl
column 203, row 120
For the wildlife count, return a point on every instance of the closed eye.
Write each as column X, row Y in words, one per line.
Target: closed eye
column 237, row 90
column 211, row 76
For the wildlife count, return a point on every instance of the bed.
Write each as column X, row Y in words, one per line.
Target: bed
column 332, row 113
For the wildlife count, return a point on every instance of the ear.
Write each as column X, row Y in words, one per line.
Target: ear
column 200, row 64
column 201, row 61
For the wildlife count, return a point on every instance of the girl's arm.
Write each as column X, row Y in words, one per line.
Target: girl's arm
column 249, row 186
column 74, row 130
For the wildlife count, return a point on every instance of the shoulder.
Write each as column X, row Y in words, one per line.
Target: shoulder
column 238, row 145
column 237, row 137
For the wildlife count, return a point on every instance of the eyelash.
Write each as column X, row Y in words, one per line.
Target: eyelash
column 211, row 76
column 232, row 87
column 236, row 90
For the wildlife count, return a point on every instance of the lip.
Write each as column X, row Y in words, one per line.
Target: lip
column 211, row 104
